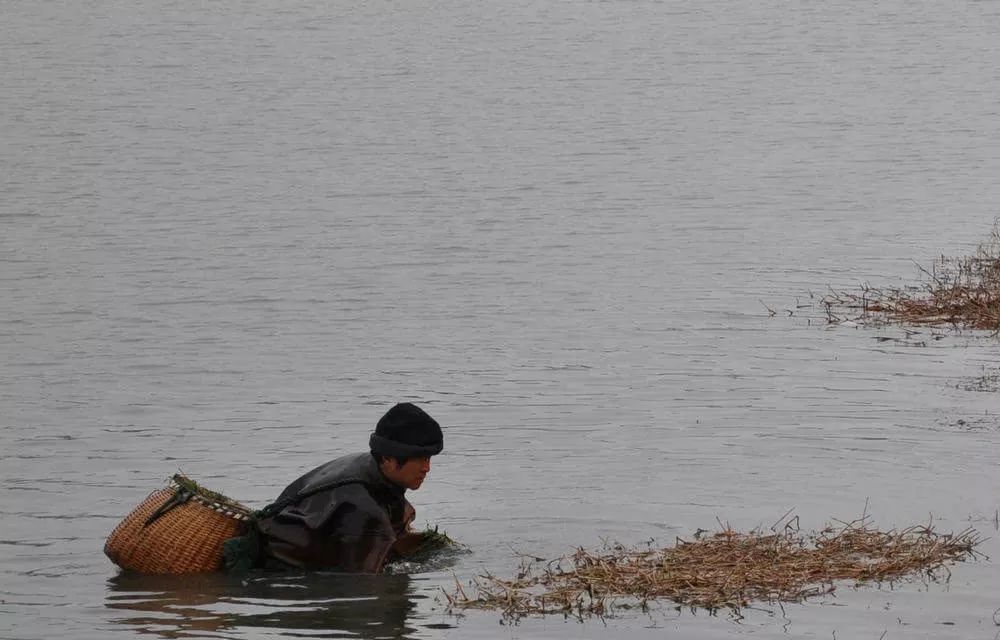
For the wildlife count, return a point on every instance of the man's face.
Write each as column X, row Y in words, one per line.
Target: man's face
column 410, row 475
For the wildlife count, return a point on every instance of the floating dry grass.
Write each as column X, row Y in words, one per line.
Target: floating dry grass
column 724, row 570
column 961, row 292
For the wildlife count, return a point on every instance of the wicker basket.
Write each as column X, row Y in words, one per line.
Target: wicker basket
column 176, row 530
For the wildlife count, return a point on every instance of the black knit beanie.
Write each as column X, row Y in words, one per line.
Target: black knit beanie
column 405, row 431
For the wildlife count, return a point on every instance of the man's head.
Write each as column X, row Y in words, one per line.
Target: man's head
column 403, row 443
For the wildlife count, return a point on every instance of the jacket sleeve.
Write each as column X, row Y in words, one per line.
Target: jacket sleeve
column 363, row 541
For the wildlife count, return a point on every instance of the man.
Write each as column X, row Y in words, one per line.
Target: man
column 351, row 514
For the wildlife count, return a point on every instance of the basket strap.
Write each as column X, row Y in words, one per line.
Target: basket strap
column 276, row 507
column 180, row 497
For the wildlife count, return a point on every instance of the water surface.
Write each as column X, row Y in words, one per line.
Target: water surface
column 232, row 236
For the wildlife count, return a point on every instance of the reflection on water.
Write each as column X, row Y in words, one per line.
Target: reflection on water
column 264, row 605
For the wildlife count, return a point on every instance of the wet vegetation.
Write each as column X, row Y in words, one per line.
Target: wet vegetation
column 436, row 548
column 187, row 484
column 723, row 570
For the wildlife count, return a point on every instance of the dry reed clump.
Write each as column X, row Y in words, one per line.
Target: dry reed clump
column 961, row 292
column 727, row 569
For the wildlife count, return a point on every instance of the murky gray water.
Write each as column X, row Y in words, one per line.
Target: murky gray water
column 232, row 235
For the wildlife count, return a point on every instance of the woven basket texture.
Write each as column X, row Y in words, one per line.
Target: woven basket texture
column 185, row 539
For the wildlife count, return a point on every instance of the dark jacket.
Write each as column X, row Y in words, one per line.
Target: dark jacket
column 342, row 516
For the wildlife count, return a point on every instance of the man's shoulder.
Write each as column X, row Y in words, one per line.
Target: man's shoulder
column 346, row 468
column 349, row 467
column 347, row 461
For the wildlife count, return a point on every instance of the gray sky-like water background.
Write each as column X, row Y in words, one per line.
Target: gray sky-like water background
column 232, row 234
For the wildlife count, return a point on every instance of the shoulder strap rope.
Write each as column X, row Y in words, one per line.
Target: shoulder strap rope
column 277, row 506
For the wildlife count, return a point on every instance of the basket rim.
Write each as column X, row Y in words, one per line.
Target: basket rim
column 207, row 497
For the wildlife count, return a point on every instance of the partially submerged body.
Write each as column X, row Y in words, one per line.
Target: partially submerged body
column 350, row 526
column 351, row 514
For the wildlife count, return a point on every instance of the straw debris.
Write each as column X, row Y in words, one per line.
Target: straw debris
column 961, row 292
column 724, row 570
